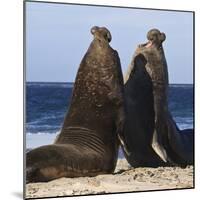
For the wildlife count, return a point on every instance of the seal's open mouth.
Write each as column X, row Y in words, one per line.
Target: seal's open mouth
column 149, row 44
column 146, row 45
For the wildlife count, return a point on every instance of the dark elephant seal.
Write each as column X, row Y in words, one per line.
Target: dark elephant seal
column 150, row 133
column 88, row 142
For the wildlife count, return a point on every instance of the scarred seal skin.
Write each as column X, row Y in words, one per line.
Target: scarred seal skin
column 88, row 142
column 151, row 135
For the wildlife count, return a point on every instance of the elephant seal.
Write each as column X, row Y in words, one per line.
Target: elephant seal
column 150, row 133
column 88, row 142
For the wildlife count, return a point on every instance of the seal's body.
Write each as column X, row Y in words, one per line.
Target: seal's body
column 88, row 142
column 151, row 135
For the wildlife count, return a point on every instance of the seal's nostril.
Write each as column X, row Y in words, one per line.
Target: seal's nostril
column 94, row 29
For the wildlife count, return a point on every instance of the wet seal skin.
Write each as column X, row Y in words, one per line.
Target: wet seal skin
column 88, row 142
column 151, row 135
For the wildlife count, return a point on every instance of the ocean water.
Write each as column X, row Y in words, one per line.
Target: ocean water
column 47, row 103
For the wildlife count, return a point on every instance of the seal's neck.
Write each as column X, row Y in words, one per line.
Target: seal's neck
column 100, row 43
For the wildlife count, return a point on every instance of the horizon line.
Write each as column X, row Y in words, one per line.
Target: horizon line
column 74, row 82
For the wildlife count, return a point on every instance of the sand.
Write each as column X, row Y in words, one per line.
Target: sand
column 124, row 179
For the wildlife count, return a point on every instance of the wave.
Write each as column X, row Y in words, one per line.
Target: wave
column 186, row 125
column 181, row 85
column 45, row 118
column 43, row 133
column 29, row 126
column 50, row 84
column 184, row 120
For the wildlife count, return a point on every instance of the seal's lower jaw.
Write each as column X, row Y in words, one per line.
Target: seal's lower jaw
column 149, row 44
column 146, row 45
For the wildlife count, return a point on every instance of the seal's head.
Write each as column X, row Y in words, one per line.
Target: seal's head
column 101, row 33
column 155, row 38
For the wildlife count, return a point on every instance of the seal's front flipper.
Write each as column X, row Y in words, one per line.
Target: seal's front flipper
column 123, row 145
column 158, row 148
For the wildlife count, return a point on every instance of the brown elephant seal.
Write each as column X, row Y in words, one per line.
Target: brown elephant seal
column 150, row 133
column 88, row 142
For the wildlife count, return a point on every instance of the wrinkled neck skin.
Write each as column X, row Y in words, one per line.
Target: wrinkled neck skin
column 100, row 43
column 98, row 48
column 97, row 54
column 157, row 68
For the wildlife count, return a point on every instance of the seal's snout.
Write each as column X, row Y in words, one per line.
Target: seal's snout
column 155, row 38
column 94, row 29
column 153, row 34
column 101, row 33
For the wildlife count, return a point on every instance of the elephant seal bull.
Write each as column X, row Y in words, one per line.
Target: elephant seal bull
column 150, row 133
column 88, row 142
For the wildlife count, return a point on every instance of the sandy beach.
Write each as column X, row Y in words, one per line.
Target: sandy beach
column 124, row 179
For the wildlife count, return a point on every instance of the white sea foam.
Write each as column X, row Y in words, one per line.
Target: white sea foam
column 184, row 126
column 34, row 140
column 43, row 133
column 186, row 122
